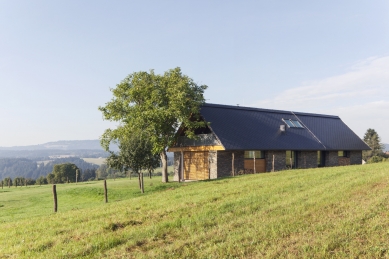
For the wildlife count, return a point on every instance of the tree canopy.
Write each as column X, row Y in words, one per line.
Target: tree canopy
column 157, row 105
column 135, row 153
column 63, row 173
column 373, row 140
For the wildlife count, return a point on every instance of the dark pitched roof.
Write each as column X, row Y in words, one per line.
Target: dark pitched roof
column 244, row 128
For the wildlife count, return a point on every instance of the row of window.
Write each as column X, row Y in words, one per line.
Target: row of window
column 291, row 156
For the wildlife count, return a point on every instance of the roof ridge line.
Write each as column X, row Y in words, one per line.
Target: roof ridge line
column 224, row 106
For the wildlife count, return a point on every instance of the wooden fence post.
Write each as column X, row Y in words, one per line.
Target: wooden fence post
column 55, row 197
column 273, row 165
column 291, row 165
column 233, row 166
column 105, row 191
column 77, row 171
column 254, row 163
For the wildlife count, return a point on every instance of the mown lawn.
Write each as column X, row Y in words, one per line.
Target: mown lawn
column 340, row 212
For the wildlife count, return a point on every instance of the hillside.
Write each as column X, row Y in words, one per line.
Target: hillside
column 340, row 212
column 61, row 145
column 23, row 167
column 79, row 148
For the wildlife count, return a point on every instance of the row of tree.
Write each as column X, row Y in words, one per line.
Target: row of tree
column 62, row 173
column 17, row 181
column 65, row 173
column 27, row 168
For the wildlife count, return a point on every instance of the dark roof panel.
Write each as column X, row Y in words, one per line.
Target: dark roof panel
column 242, row 128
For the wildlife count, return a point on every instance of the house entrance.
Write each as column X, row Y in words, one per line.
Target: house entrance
column 196, row 166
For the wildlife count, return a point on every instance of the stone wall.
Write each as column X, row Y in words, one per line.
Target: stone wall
column 177, row 167
column 306, row 159
column 332, row 158
column 279, row 160
column 355, row 157
column 224, row 162
column 212, row 158
column 220, row 162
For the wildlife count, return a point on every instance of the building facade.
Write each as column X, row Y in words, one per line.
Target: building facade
column 242, row 140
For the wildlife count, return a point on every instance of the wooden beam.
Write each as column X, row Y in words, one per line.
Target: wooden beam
column 196, row 148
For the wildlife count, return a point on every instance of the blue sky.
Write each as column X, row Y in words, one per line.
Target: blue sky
column 58, row 59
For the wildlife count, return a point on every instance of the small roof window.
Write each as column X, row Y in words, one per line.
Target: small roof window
column 298, row 124
column 292, row 123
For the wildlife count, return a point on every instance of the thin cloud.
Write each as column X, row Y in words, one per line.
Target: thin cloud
column 361, row 93
column 366, row 79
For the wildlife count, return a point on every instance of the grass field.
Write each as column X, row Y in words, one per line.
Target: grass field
column 340, row 212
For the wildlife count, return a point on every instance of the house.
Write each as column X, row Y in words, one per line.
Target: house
column 243, row 140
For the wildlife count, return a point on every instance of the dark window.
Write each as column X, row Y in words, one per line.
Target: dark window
column 321, row 158
column 291, row 159
column 343, row 153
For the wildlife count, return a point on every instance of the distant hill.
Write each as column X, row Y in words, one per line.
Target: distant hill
column 63, row 145
column 386, row 147
column 24, row 167
column 78, row 148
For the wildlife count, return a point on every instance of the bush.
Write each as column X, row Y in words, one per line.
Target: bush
column 375, row 159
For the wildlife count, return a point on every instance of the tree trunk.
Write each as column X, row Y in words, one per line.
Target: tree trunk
column 165, row 176
column 150, row 173
column 142, row 183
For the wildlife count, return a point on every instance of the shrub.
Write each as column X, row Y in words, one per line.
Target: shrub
column 375, row 159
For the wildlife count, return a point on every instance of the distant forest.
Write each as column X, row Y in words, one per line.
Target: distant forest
column 24, row 167
column 45, row 154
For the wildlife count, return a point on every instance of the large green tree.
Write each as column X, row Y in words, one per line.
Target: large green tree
column 373, row 140
column 157, row 105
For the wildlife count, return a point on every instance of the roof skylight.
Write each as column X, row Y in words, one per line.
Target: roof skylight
column 298, row 124
column 292, row 123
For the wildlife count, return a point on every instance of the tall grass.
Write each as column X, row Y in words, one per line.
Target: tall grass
column 337, row 212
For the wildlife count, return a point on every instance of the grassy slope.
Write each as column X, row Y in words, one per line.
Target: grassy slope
column 329, row 212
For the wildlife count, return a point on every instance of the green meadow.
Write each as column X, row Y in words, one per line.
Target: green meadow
column 340, row 212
